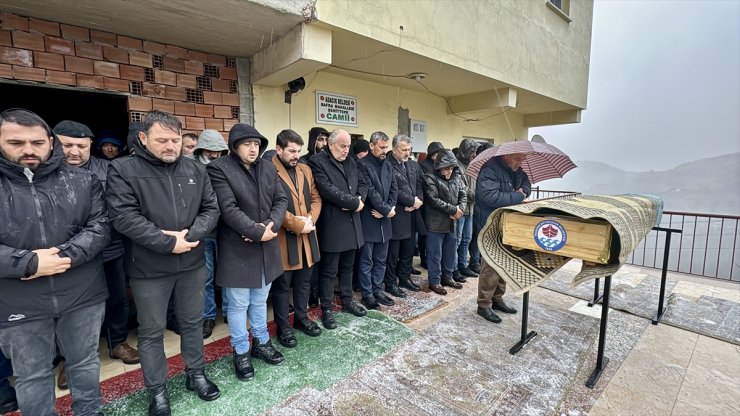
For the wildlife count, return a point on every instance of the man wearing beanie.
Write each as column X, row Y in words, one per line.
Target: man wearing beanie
column 252, row 206
column 110, row 148
column 361, row 148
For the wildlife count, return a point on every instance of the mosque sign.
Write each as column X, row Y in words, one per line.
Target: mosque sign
column 336, row 109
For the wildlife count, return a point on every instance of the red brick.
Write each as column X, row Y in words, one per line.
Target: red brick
column 174, row 65
column 222, row 111
column 5, row 39
column 175, row 93
column 12, row 56
column 224, row 134
column 134, row 73
column 29, row 74
column 230, row 99
column 48, row 61
column 24, row 40
column 163, row 105
column 89, row 50
column 11, row 21
column 216, row 59
column 214, row 123
column 44, row 26
column 140, row 59
column 126, row 42
column 185, row 109
column 59, row 45
column 195, row 123
column 79, row 65
column 139, row 103
column 154, row 48
column 228, row 73
column 193, row 67
column 64, row 78
column 197, row 56
column 212, row 97
column 106, row 38
column 107, row 69
column 6, row 71
column 165, row 77
column 115, row 84
column 204, row 110
column 90, row 81
column 220, row 85
column 181, row 118
column 75, row 33
column 153, row 90
column 177, row 52
column 187, row 81
column 228, row 124
column 113, row 54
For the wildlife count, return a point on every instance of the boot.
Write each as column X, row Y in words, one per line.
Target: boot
column 198, row 382
column 159, row 402
column 243, row 366
column 8, row 401
column 266, row 352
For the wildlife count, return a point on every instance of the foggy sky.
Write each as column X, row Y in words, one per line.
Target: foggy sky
column 664, row 85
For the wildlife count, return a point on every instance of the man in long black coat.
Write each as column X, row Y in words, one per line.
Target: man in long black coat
column 342, row 191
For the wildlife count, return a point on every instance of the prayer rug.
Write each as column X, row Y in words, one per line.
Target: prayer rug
column 414, row 305
column 631, row 217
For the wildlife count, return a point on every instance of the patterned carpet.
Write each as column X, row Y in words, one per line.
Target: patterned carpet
column 414, row 305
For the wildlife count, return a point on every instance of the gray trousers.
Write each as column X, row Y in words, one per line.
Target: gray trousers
column 490, row 286
column 152, row 296
column 31, row 348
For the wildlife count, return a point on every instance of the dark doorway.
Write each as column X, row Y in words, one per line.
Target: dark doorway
column 106, row 114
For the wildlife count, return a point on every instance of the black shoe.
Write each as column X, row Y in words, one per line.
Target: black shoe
column 409, row 284
column 383, row 299
column 456, row 276
column 415, row 272
column 266, row 352
column 307, row 326
column 395, row 291
column 8, row 400
column 474, row 267
column 313, row 299
column 287, row 337
column 353, row 308
column 489, row 315
column 208, row 325
column 499, row 305
column 243, row 366
column 327, row 318
column 447, row 281
column 198, row 382
column 468, row 273
column 159, row 402
column 370, row 302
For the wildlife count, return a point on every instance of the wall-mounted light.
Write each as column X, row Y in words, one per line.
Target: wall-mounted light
column 293, row 87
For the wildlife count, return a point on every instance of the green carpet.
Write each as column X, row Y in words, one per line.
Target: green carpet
column 317, row 362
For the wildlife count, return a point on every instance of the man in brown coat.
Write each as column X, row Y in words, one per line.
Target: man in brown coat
column 299, row 245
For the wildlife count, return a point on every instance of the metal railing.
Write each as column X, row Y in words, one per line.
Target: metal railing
column 541, row 194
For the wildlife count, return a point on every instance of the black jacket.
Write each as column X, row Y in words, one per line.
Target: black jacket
column 496, row 187
column 59, row 206
column 443, row 196
column 382, row 192
column 249, row 200
column 145, row 196
column 339, row 185
column 464, row 154
column 99, row 168
column 410, row 183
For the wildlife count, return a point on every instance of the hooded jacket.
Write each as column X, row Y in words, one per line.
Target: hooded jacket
column 147, row 196
column 54, row 206
column 249, row 199
column 382, row 195
column 210, row 140
column 443, row 196
column 464, row 154
column 496, row 187
column 313, row 135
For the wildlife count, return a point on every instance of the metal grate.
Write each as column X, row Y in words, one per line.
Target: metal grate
column 136, row 116
column 235, row 112
column 148, row 75
column 136, row 88
column 210, row 71
column 203, row 83
column 158, row 61
column 231, row 62
column 233, row 86
column 193, row 96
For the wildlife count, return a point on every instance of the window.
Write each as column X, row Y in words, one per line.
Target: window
column 561, row 8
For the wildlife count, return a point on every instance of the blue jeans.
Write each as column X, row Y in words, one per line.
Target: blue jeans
column 31, row 346
column 464, row 231
column 241, row 301
column 440, row 255
column 372, row 267
column 211, row 248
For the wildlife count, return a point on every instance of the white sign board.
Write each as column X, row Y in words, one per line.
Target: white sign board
column 336, row 109
column 418, row 130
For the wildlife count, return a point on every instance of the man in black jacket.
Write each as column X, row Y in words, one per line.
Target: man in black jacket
column 316, row 142
column 342, row 191
column 53, row 226
column 164, row 204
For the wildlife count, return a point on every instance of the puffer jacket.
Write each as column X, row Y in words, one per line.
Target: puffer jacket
column 496, row 187
column 147, row 196
column 54, row 206
column 443, row 196
column 464, row 154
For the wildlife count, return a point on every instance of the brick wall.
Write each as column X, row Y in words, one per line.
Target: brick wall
column 199, row 88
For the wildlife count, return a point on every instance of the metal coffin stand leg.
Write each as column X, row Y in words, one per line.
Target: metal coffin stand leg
column 601, row 361
column 525, row 318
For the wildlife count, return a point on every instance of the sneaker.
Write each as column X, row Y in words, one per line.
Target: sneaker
column 266, row 352
column 383, row 299
column 125, row 353
column 370, row 302
column 353, row 308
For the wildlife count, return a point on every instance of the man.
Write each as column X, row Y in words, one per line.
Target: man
column 501, row 183
column 53, row 226
column 211, row 146
column 360, row 149
column 407, row 220
column 163, row 205
column 189, row 142
column 110, row 148
column 342, row 191
column 382, row 193
column 299, row 245
column 467, row 152
column 316, row 142
column 76, row 139
column 427, row 167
